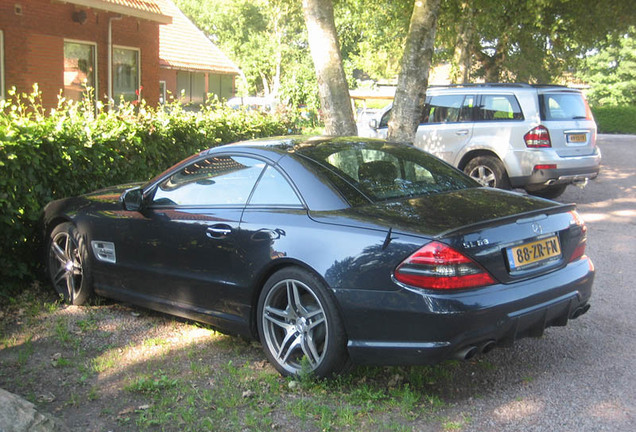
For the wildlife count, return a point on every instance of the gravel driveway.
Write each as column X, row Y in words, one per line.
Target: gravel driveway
column 581, row 377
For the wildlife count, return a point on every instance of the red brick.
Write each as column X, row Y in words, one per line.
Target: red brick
column 34, row 46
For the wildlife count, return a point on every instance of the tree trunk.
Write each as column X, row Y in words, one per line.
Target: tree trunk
column 460, row 71
column 410, row 95
column 332, row 83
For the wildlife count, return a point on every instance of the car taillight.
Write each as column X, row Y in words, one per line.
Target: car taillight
column 538, row 137
column 438, row 266
column 579, row 250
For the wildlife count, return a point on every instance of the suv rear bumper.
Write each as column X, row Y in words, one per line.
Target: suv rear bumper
column 549, row 177
column 568, row 169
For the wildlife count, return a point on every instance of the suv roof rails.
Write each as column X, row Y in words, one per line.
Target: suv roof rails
column 520, row 85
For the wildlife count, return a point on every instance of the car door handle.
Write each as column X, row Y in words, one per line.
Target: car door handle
column 218, row 231
column 462, row 132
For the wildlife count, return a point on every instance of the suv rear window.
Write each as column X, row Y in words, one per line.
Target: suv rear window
column 562, row 106
column 499, row 108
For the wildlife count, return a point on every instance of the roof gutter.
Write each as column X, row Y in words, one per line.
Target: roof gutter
column 149, row 13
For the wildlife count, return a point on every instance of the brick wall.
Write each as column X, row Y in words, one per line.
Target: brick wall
column 34, row 34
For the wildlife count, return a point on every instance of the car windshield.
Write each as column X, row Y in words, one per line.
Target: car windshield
column 382, row 171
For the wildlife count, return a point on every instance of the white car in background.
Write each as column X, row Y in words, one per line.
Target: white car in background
column 537, row 137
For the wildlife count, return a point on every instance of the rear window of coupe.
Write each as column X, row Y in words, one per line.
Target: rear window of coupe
column 385, row 172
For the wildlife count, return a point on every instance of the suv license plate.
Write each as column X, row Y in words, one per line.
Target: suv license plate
column 577, row 138
column 528, row 254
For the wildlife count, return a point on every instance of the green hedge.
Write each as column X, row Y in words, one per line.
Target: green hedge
column 77, row 148
column 615, row 119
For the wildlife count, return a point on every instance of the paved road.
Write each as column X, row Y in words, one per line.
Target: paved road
column 581, row 377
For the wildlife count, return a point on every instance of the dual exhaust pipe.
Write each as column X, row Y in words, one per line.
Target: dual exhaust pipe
column 471, row 351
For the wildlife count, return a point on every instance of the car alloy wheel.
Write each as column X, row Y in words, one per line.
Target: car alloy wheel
column 488, row 171
column 66, row 265
column 299, row 326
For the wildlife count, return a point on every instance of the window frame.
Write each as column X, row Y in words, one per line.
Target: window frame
column 2, row 81
column 162, row 92
column 95, row 60
column 124, row 47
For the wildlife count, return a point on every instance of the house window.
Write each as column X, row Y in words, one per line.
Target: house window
column 79, row 69
column 191, row 87
column 126, row 72
column 1, row 65
column 221, row 85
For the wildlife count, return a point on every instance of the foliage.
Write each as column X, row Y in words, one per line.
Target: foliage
column 530, row 40
column 615, row 119
column 77, row 148
column 612, row 72
column 267, row 40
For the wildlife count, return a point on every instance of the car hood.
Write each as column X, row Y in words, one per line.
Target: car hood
column 439, row 214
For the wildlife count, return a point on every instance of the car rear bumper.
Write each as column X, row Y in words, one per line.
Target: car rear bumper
column 522, row 170
column 416, row 327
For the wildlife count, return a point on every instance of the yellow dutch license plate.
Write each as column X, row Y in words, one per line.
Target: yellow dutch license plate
column 577, row 138
column 528, row 254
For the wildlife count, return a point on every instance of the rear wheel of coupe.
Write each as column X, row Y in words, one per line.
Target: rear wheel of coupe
column 489, row 171
column 67, row 264
column 299, row 325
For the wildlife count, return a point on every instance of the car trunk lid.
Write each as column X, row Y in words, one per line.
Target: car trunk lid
column 488, row 225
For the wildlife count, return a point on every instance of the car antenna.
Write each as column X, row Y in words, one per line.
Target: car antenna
column 388, row 239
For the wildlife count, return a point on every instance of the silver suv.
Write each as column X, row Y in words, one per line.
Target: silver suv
column 537, row 137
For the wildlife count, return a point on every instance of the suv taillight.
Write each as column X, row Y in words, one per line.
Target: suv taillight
column 438, row 266
column 538, row 137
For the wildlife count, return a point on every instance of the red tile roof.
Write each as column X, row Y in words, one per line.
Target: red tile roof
column 183, row 46
column 144, row 9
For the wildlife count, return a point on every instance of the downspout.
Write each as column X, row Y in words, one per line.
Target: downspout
column 110, row 59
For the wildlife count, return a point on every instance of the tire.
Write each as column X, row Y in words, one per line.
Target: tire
column 549, row 192
column 67, row 264
column 488, row 171
column 299, row 325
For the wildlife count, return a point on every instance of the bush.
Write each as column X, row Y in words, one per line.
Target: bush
column 615, row 119
column 77, row 148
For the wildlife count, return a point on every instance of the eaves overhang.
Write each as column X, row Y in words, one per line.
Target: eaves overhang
column 142, row 9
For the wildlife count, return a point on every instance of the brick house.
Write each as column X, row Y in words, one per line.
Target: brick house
column 109, row 45
column 64, row 44
column 191, row 66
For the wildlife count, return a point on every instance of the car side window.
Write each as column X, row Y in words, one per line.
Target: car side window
column 273, row 189
column 500, row 108
column 215, row 181
column 447, row 109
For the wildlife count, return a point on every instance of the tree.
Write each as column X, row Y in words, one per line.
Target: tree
column 611, row 72
column 332, row 82
column 410, row 95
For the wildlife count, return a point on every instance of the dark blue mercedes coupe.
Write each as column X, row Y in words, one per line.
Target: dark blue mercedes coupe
column 329, row 251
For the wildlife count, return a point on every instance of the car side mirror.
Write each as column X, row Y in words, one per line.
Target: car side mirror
column 132, row 199
column 373, row 124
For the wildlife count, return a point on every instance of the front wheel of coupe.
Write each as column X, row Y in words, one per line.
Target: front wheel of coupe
column 67, row 264
column 299, row 325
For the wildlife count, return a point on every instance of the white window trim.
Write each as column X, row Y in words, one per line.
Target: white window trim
column 95, row 46
column 163, row 91
column 3, row 84
column 138, row 67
